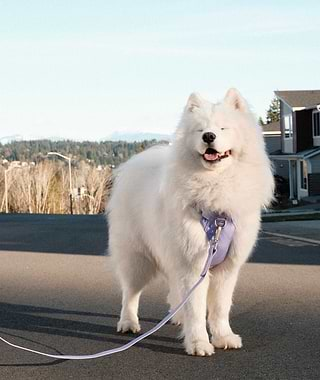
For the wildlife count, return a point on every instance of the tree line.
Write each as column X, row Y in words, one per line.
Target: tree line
column 110, row 153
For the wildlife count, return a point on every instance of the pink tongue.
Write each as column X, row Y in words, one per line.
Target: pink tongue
column 211, row 157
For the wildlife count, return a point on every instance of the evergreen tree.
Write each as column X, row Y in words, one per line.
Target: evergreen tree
column 273, row 112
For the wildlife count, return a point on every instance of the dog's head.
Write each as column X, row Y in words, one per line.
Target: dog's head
column 214, row 135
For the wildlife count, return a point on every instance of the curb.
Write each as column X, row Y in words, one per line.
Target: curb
column 314, row 215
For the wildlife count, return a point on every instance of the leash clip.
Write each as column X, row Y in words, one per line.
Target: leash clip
column 220, row 223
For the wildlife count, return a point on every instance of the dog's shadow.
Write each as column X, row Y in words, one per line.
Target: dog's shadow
column 49, row 321
column 36, row 319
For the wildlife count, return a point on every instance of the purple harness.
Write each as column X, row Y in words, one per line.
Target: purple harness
column 210, row 222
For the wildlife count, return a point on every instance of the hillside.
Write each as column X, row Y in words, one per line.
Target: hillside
column 99, row 153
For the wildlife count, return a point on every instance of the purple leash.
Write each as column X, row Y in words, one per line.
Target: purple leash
column 219, row 230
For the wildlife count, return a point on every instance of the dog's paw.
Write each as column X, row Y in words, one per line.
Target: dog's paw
column 127, row 325
column 227, row 342
column 199, row 348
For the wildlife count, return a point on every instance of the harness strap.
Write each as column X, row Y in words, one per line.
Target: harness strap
column 211, row 223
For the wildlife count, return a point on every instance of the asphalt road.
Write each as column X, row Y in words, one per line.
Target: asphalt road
column 58, row 294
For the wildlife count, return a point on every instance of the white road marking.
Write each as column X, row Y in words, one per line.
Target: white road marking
column 288, row 242
column 292, row 237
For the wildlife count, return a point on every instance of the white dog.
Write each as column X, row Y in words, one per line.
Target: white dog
column 216, row 163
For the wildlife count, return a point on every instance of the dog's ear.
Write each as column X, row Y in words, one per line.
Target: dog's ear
column 235, row 100
column 194, row 102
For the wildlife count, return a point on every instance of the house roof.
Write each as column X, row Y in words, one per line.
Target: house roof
column 300, row 98
column 271, row 127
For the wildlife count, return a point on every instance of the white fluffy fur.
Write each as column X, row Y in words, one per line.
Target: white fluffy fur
column 154, row 217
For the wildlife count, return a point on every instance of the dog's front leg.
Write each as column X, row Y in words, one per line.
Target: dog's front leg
column 222, row 284
column 223, row 281
column 196, row 339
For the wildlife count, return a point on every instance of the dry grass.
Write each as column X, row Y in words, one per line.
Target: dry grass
column 44, row 188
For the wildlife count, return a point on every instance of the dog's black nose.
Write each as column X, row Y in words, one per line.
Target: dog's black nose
column 208, row 137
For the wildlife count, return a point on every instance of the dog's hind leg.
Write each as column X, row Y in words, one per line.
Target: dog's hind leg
column 134, row 275
column 174, row 298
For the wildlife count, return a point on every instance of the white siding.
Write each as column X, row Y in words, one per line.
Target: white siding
column 316, row 141
column 287, row 146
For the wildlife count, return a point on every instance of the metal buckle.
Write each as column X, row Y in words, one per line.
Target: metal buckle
column 220, row 222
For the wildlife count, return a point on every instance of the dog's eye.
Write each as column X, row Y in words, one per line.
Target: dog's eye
column 222, row 129
column 199, row 130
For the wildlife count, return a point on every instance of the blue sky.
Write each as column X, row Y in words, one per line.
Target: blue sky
column 83, row 69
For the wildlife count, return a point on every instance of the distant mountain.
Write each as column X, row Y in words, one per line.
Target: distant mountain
column 115, row 136
column 137, row 136
column 9, row 139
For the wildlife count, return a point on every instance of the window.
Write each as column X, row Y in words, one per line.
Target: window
column 303, row 175
column 288, row 131
column 316, row 123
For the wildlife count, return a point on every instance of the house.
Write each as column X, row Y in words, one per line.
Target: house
column 300, row 142
column 272, row 138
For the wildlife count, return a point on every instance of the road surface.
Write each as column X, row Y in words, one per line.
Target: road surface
column 58, row 294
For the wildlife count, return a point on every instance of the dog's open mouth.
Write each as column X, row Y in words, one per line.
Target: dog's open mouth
column 211, row 155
